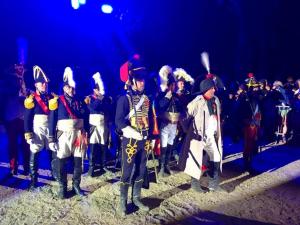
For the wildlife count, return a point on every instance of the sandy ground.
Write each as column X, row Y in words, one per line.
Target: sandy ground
column 271, row 197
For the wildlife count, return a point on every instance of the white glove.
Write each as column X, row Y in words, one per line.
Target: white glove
column 129, row 132
column 30, row 141
column 53, row 146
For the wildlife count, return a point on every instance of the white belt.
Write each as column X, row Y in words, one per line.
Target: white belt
column 70, row 124
column 40, row 120
column 96, row 119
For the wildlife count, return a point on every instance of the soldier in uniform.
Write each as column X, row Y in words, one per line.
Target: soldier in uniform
column 132, row 118
column 99, row 106
column 36, row 122
column 184, row 95
column 68, row 123
column 169, row 109
column 204, row 134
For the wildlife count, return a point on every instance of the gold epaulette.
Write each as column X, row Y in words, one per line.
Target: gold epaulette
column 53, row 104
column 28, row 102
column 28, row 135
column 87, row 100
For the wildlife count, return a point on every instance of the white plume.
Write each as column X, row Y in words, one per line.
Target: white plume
column 98, row 80
column 163, row 74
column 181, row 73
column 68, row 77
column 205, row 61
column 36, row 71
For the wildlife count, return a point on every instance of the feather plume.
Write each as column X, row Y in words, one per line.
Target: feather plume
column 98, row 80
column 163, row 74
column 205, row 61
column 68, row 77
column 181, row 73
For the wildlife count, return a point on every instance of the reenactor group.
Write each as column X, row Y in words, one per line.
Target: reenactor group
column 68, row 126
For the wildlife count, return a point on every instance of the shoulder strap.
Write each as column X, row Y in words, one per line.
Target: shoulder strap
column 136, row 107
column 41, row 103
column 64, row 102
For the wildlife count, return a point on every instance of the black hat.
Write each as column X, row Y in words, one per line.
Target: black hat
column 133, row 69
column 205, row 85
column 136, row 68
column 39, row 75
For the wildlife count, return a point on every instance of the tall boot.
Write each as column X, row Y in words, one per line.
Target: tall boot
column 195, row 185
column 214, row 181
column 136, row 196
column 33, row 170
column 77, row 176
column 122, row 209
column 103, row 152
column 54, row 162
column 62, row 178
column 167, row 159
column 162, row 160
column 92, row 160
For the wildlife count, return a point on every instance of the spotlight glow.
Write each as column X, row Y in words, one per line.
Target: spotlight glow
column 75, row 4
column 106, row 8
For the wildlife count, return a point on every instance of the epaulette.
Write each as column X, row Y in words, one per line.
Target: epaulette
column 87, row 100
column 28, row 102
column 53, row 104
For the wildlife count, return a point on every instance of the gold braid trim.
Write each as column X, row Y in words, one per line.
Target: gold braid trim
column 131, row 150
column 147, row 146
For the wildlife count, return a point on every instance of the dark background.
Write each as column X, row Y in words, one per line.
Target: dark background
column 241, row 36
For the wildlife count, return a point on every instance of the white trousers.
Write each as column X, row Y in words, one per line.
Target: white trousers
column 168, row 134
column 40, row 139
column 69, row 144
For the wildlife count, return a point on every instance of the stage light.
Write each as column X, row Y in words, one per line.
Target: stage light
column 75, row 4
column 106, row 8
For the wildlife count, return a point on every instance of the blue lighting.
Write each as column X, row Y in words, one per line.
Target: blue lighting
column 106, row 8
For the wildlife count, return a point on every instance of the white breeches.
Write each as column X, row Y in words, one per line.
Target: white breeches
column 168, row 134
column 40, row 139
column 70, row 144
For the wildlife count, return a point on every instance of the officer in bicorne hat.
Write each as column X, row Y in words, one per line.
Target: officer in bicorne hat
column 36, row 121
column 99, row 107
column 68, row 126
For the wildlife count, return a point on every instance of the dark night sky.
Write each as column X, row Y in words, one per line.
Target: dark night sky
column 260, row 36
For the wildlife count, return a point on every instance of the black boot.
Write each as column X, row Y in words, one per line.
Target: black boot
column 103, row 152
column 122, row 209
column 33, row 170
column 195, row 185
column 167, row 159
column 77, row 176
column 61, row 178
column 54, row 167
column 92, row 160
column 136, row 196
column 162, row 160
column 214, row 181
